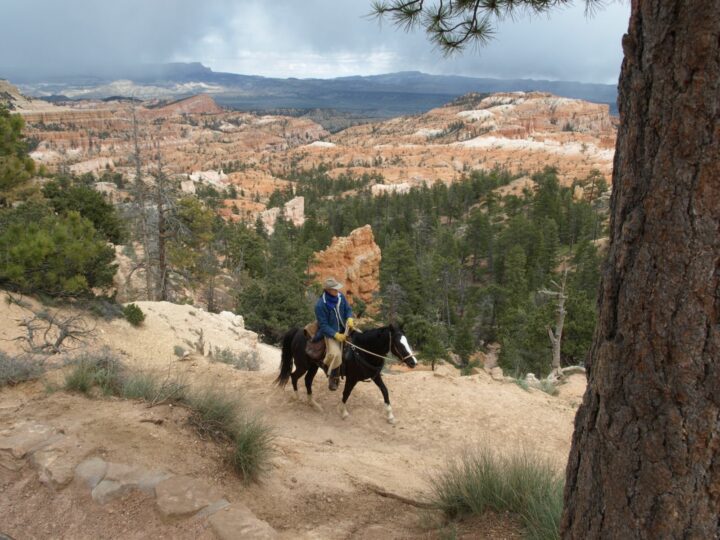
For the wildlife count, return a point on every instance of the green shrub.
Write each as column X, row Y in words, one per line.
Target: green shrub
column 134, row 314
column 220, row 414
column 56, row 255
column 179, row 351
column 101, row 369
column 214, row 412
column 140, row 386
column 17, row 369
column 524, row 484
column 246, row 360
column 548, row 387
column 467, row 370
column 522, row 383
column 252, row 446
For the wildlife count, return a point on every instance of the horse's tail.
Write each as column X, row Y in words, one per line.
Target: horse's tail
column 286, row 360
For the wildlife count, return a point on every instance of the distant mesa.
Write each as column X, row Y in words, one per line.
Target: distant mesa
column 199, row 104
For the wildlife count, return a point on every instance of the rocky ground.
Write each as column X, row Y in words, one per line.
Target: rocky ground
column 73, row 467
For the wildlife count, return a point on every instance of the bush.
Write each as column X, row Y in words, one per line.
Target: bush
column 215, row 412
column 251, row 448
column 246, row 360
column 548, row 387
column 14, row 370
column 55, row 255
column 524, row 484
column 101, row 369
column 220, row 414
column 134, row 314
column 140, row 386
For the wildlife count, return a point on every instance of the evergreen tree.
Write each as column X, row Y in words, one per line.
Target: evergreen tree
column 57, row 255
column 16, row 167
column 64, row 196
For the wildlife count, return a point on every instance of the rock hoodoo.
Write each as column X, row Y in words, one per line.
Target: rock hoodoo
column 355, row 261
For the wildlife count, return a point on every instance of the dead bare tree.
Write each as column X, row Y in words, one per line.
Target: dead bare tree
column 54, row 333
column 164, row 206
column 560, row 296
column 140, row 193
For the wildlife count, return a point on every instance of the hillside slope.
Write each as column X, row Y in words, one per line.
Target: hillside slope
column 326, row 472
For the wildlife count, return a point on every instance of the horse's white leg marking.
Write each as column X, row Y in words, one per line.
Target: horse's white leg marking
column 295, row 396
column 343, row 411
column 390, row 416
column 314, row 404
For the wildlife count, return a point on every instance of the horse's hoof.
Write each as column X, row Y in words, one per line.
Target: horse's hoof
column 343, row 412
column 315, row 405
column 294, row 397
column 391, row 420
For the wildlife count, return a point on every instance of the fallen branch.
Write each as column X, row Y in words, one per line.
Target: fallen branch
column 405, row 500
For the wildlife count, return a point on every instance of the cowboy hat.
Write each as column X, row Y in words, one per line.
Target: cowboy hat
column 332, row 283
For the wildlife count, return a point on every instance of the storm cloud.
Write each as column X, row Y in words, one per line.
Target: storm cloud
column 293, row 38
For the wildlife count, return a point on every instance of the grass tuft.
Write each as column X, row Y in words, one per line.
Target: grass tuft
column 221, row 415
column 17, row 369
column 252, row 448
column 524, row 484
column 214, row 412
column 245, row 360
column 101, row 369
column 140, row 386
column 548, row 387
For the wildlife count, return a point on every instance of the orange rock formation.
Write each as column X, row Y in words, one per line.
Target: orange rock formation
column 354, row 260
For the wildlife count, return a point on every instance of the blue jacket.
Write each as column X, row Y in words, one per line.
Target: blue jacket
column 330, row 321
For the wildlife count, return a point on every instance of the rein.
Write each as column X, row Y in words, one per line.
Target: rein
column 402, row 358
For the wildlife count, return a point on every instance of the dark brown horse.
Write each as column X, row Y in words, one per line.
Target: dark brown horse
column 363, row 359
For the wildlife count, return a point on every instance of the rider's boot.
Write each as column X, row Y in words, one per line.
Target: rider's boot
column 334, row 379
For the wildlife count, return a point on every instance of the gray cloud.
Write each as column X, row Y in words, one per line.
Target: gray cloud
column 307, row 38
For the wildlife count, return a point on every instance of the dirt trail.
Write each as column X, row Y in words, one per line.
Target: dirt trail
column 326, row 472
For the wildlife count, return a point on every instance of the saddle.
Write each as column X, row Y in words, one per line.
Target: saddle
column 314, row 349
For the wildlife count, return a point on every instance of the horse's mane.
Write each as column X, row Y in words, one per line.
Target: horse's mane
column 369, row 335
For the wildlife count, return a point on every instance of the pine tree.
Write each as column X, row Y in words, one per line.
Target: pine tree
column 640, row 464
column 16, row 167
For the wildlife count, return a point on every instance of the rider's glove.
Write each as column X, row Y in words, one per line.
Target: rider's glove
column 350, row 323
column 340, row 337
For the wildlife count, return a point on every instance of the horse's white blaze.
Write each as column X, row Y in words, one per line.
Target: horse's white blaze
column 409, row 350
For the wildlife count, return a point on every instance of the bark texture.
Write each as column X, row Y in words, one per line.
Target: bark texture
column 645, row 457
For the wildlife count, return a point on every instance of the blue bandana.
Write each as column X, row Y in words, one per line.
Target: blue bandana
column 332, row 301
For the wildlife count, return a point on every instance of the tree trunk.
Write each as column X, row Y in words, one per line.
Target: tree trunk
column 140, row 200
column 645, row 457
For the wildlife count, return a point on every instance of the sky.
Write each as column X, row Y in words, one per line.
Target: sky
column 296, row 38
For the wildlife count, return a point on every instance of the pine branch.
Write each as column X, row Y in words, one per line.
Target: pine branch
column 452, row 25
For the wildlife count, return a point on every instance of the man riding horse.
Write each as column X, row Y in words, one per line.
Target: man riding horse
column 335, row 320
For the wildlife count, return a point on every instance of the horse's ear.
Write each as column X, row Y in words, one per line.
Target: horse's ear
column 397, row 325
